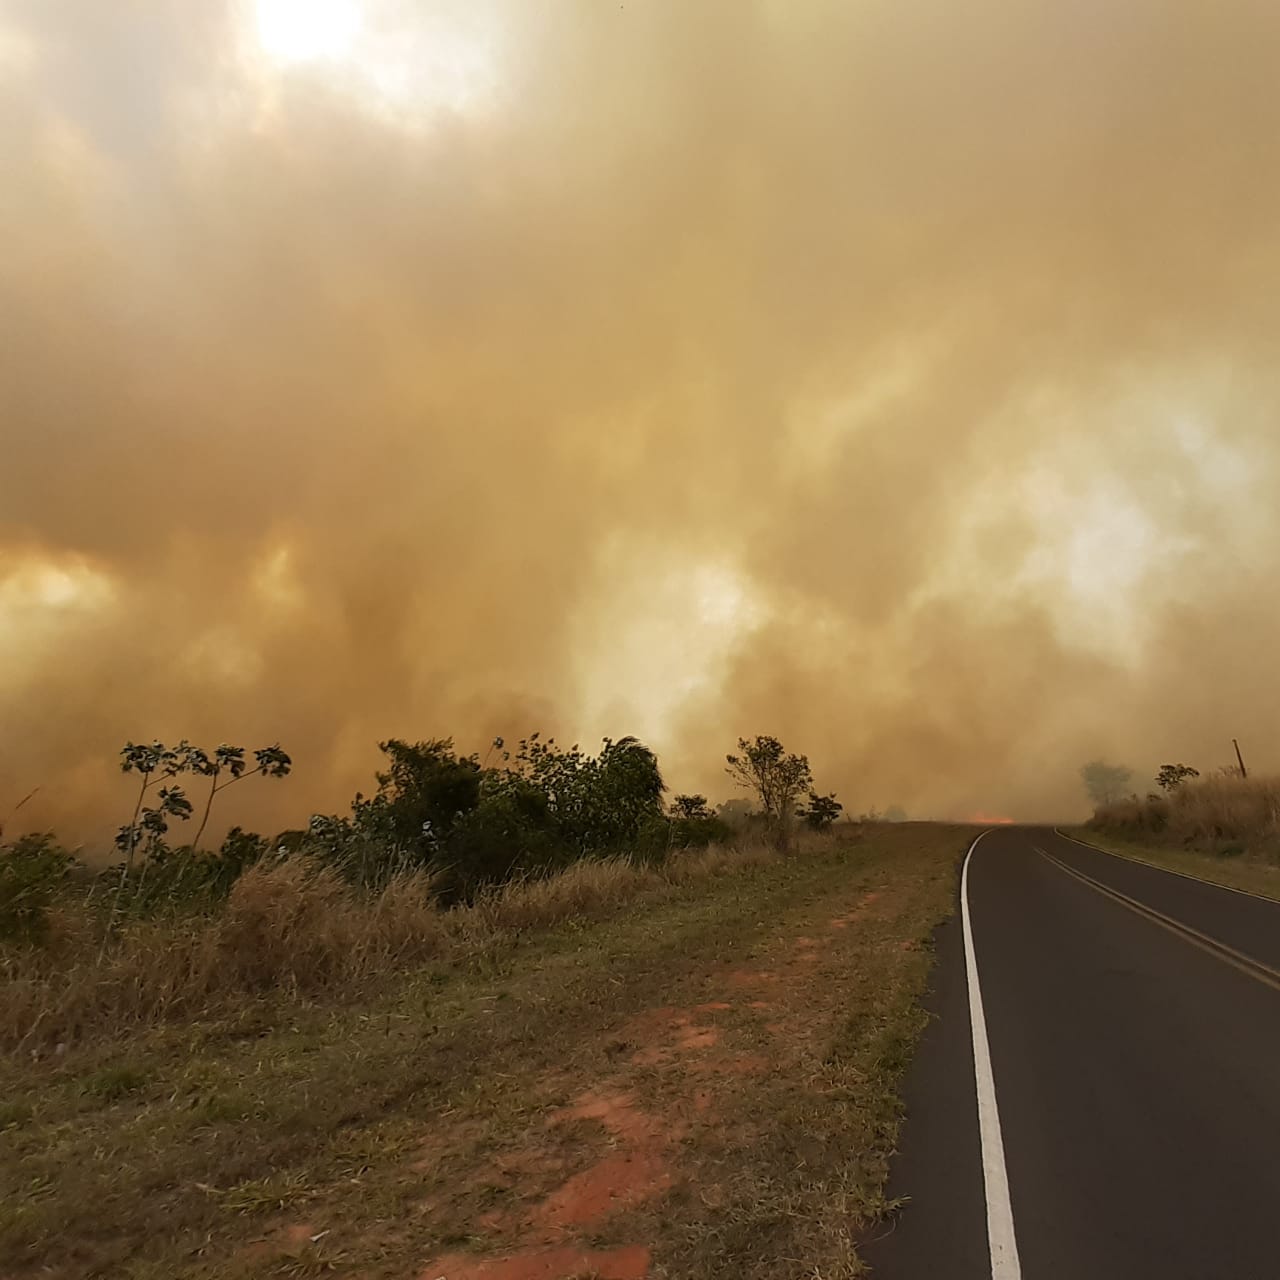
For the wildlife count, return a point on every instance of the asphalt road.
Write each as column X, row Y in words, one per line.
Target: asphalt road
column 1134, row 1079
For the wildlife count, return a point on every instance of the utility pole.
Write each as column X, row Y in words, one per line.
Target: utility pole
column 1244, row 773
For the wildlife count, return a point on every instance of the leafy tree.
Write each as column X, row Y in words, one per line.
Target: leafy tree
column 776, row 779
column 156, row 763
column 597, row 803
column 630, row 789
column 694, row 825
column 511, row 832
column 690, row 807
column 1172, row 776
column 153, row 764
column 821, row 811
column 426, row 789
column 271, row 762
column 1105, row 783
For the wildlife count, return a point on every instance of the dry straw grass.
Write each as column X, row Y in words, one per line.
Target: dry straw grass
column 296, row 928
column 1209, row 812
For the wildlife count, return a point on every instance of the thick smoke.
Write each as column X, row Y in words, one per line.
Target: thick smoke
column 898, row 379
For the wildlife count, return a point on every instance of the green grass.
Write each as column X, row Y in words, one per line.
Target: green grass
column 1233, row 868
column 219, row 1149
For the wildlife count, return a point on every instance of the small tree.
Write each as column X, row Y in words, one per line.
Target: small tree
column 776, row 779
column 426, row 789
column 1172, row 776
column 152, row 764
column 690, row 807
column 1105, row 783
column 820, row 812
column 227, row 766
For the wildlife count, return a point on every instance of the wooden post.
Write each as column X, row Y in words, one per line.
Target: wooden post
column 1244, row 773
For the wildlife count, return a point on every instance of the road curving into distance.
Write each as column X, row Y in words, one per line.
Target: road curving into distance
column 1127, row 1121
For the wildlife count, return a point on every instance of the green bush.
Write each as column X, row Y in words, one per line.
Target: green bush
column 33, row 873
column 511, row 833
column 179, row 880
column 472, row 826
column 820, row 812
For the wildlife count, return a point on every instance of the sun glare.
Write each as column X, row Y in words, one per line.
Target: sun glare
column 403, row 60
column 307, row 30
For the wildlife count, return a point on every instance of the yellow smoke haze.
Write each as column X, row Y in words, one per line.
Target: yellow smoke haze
column 898, row 379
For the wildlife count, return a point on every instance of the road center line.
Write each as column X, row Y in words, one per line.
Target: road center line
column 1000, row 1234
column 1264, row 973
column 1169, row 871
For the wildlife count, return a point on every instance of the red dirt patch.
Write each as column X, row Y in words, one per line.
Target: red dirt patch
column 667, row 1033
column 617, row 1182
column 622, row 1178
column 689, row 1048
column 697, row 1038
column 740, row 978
column 617, row 1112
column 631, row 1263
column 857, row 912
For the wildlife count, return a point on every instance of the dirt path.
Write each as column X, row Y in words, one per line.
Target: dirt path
column 667, row 1081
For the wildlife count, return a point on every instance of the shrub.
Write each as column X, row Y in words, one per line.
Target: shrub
column 426, row 790
column 33, row 871
column 597, row 804
column 1242, row 812
column 473, row 827
column 821, row 811
column 511, row 833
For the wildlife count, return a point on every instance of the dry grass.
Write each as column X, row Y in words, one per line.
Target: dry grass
column 1221, row 814
column 373, row 1136
column 296, row 927
column 1225, row 829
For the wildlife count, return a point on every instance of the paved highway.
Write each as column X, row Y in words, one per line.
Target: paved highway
column 1098, row 1097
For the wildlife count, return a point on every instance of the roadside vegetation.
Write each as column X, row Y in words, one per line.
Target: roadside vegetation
column 1223, row 827
column 449, row 853
column 627, row 1037
column 703, row 1083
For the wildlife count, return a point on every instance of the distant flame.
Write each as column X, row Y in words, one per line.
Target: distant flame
column 987, row 820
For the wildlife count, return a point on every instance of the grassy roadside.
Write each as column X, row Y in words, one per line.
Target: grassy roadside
column 1239, row 872
column 702, row 1086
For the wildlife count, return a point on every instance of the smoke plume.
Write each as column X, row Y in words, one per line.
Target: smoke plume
column 900, row 380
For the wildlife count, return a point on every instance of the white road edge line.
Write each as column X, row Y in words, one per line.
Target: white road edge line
column 1000, row 1235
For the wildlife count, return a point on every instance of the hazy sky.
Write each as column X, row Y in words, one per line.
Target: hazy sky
column 900, row 379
